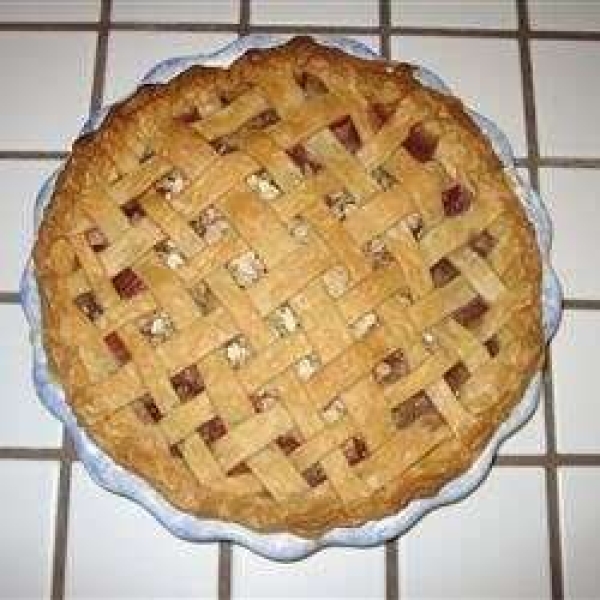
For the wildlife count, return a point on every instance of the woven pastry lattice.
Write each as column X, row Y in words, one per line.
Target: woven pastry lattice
column 296, row 293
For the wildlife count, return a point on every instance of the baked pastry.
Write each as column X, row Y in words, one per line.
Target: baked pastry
column 295, row 294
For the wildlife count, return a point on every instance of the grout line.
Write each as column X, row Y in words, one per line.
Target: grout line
column 391, row 567
column 566, row 35
column 554, row 533
column 244, row 17
column 392, row 587
column 552, row 491
column 224, row 575
column 522, row 460
column 33, row 154
column 470, row 32
column 465, row 32
column 7, row 453
column 569, row 162
column 9, row 298
column 61, row 528
column 49, row 26
column 566, row 459
column 68, row 449
column 101, row 54
column 384, row 28
column 543, row 460
column 64, row 495
column 224, row 571
column 552, row 499
column 174, row 27
column 581, row 304
column 528, row 92
column 579, row 460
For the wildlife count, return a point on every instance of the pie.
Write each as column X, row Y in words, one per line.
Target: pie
column 294, row 294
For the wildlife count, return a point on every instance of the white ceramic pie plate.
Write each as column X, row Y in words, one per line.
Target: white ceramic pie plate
column 282, row 546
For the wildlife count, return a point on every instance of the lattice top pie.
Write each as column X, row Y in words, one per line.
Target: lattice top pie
column 296, row 293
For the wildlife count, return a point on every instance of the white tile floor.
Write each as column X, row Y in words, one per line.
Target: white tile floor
column 567, row 93
column 334, row 573
column 498, row 536
column 49, row 10
column 29, row 425
column 46, row 105
column 175, row 11
column 580, row 490
column 116, row 550
column 575, row 371
column 493, row 545
column 576, row 15
column 572, row 197
column 482, row 14
column 325, row 12
column 132, row 54
column 531, row 439
column 28, row 502
column 21, row 181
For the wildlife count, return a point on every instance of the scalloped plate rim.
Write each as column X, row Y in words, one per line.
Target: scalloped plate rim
column 284, row 546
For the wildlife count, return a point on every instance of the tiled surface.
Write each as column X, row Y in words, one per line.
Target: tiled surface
column 580, row 490
column 49, row 11
column 480, row 537
column 503, row 540
column 572, row 197
column 132, row 54
column 177, row 11
column 26, row 422
column 21, row 181
column 325, row 12
column 531, row 438
column 491, row 85
column 481, row 14
column 47, row 103
column 576, row 382
column 110, row 535
column 27, row 508
column 577, row 15
column 567, row 93
column 334, row 573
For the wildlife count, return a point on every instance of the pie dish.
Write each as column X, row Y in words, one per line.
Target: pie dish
column 296, row 294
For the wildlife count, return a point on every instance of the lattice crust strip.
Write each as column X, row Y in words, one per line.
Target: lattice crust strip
column 280, row 291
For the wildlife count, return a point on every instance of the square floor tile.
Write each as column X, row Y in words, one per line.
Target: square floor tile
column 581, row 15
column 567, row 95
column 484, row 73
column 491, row 545
column 579, row 493
column 27, row 511
column 483, row 14
column 531, row 438
column 571, row 195
column 117, row 550
column 21, row 181
column 177, row 11
column 334, row 13
column 49, row 10
column 30, row 424
column 332, row 573
column 132, row 54
column 48, row 98
column 575, row 370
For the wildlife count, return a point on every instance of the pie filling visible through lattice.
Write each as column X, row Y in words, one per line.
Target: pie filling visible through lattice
column 295, row 294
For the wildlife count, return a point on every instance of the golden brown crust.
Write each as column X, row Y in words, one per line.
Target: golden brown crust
column 454, row 289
